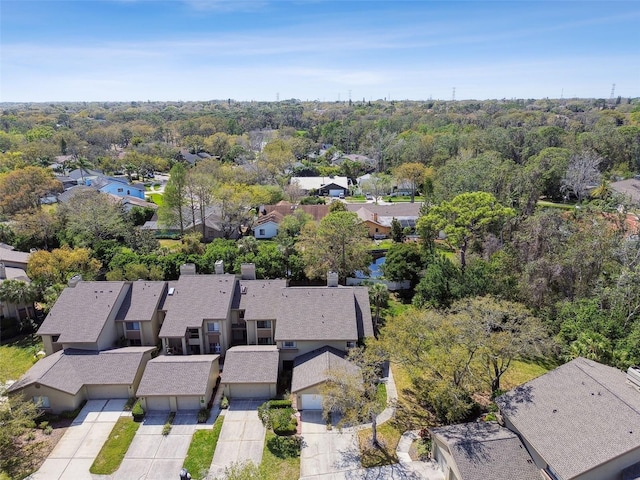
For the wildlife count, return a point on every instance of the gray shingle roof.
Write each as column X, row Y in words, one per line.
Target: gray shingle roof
column 196, row 298
column 177, row 375
column 485, row 450
column 260, row 300
column 578, row 416
column 402, row 209
column 81, row 312
column 311, row 368
column 142, row 301
column 70, row 370
column 251, row 364
column 363, row 312
column 13, row 258
column 317, row 313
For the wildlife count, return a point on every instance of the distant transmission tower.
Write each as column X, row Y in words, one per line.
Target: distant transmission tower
column 613, row 91
column 278, row 97
column 453, row 95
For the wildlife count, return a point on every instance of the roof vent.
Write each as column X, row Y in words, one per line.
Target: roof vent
column 73, row 281
column 332, row 279
column 218, row 267
column 171, row 290
column 243, row 289
column 248, row 271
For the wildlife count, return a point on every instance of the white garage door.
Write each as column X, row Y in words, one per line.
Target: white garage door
column 249, row 390
column 311, row 401
column 188, row 403
column 107, row 391
column 158, row 403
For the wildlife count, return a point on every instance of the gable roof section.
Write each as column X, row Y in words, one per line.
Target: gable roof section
column 273, row 216
column 577, row 417
column 318, row 212
column 177, row 375
column 485, row 450
column 70, row 370
column 363, row 312
column 13, row 273
column 81, row 312
column 315, row 183
column 13, row 258
column 311, row 368
column 194, row 299
column 251, row 364
column 317, row 313
column 402, row 209
column 142, row 301
column 261, row 298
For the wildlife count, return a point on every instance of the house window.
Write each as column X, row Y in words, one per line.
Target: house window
column 265, row 341
column 289, row 345
column 54, row 338
column 42, row 402
column 213, row 327
column 214, row 347
column 264, row 323
column 133, row 326
column 135, row 342
column 120, row 190
column 351, row 344
column 193, row 333
column 261, row 231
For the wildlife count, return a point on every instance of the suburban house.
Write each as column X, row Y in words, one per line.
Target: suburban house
column 251, row 371
column 378, row 218
column 481, row 450
column 580, row 421
column 191, row 158
column 213, row 225
column 178, row 382
column 630, row 188
column 258, row 327
column 63, row 380
column 270, row 216
column 13, row 266
column 310, row 373
column 323, row 186
column 116, row 186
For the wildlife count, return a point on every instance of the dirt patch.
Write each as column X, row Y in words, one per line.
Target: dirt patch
column 36, row 445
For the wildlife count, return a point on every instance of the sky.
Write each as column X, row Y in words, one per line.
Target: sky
column 268, row 50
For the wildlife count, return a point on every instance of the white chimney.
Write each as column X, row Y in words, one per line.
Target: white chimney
column 3, row 271
column 218, row 267
column 73, row 281
column 332, row 279
column 188, row 269
column 248, row 271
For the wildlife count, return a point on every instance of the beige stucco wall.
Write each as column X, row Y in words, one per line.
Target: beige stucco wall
column 440, row 449
column 306, row 346
column 59, row 401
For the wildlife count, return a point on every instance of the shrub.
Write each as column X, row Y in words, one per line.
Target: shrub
column 279, row 417
column 137, row 412
column 279, row 403
column 285, row 447
column 203, row 415
column 167, row 425
column 42, row 425
column 224, row 403
column 48, row 429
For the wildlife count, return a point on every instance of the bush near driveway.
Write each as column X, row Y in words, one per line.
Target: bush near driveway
column 116, row 446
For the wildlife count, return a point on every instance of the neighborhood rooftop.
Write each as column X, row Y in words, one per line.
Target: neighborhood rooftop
column 141, row 301
column 251, row 364
column 577, row 417
column 81, row 312
column 311, row 368
column 260, row 298
column 176, row 375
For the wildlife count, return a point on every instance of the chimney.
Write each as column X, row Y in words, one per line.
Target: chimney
column 218, row 267
column 332, row 279
column 248, row 271
column 73, row 281
column 375, row 217
column 188, row 269
column 3, row 271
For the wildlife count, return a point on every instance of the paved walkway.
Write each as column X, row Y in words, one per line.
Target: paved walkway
column 77, row 449
column 241, row 438
column 154, row 456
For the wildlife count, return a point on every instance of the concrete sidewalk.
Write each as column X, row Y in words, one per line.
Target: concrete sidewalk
column 77, row 449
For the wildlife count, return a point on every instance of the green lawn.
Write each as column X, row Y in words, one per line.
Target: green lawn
column 155, row 198
column 277, row 465
column 385, row 454
column 381, row 395
column 173, row 245
column 521, row 372
column 116, row 446
column 203, row 445
column 16, row 358
column 404, row 199
column 563, row 206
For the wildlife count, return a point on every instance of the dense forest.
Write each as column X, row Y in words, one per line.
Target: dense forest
column 518, row 204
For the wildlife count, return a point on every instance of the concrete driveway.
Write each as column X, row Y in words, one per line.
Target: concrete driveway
column 153, row 456
column 326, row 451
column 241, row 438
column 77, row 449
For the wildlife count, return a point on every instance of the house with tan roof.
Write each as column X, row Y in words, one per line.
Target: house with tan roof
column 182, row 382
column 251, row 371
column 13, row 266
column 378, row 218
column 65, row 379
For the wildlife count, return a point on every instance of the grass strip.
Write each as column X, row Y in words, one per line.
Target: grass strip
column 201, row 450
column 116, row 446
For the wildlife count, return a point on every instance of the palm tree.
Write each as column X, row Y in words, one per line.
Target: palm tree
column 378, row 297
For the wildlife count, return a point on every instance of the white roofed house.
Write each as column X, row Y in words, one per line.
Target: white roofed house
column 324, row 186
